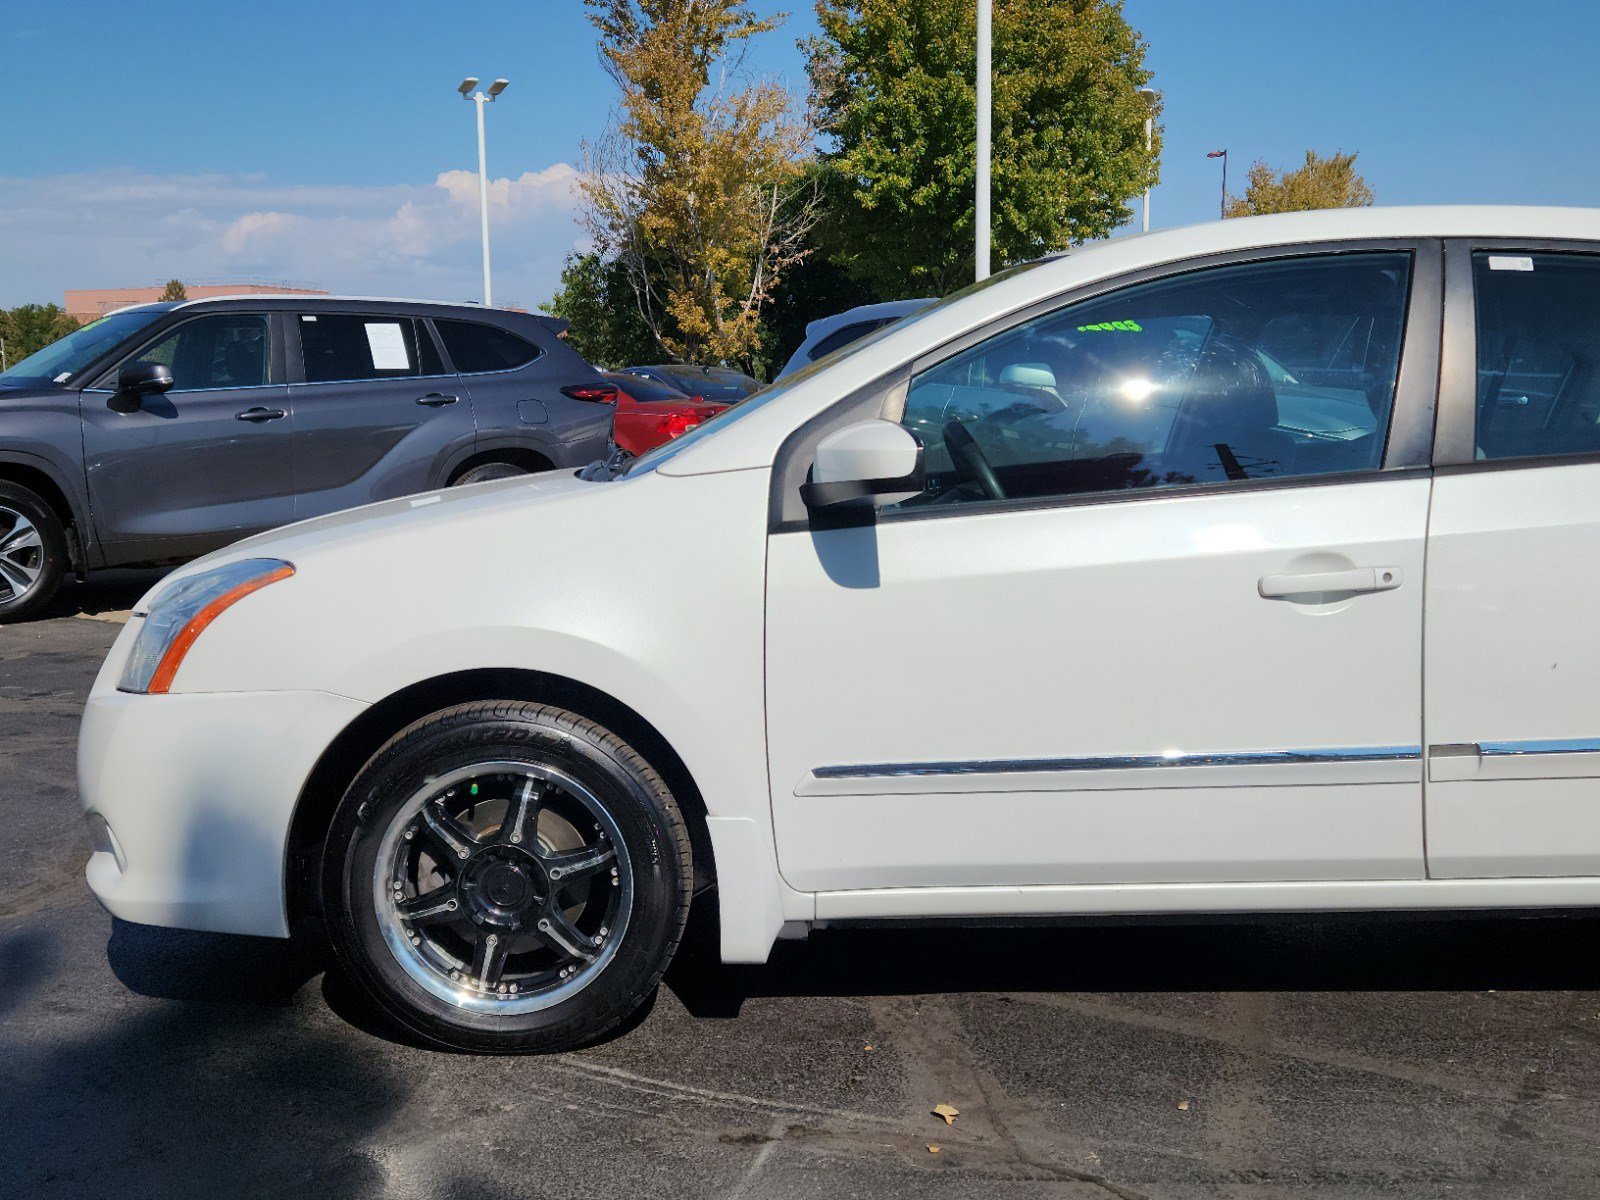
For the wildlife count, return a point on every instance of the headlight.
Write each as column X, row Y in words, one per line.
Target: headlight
column 180, row 613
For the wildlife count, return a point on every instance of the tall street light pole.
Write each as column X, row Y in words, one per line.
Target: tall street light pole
column 1222, row 205
column 480, row 99
column 985, row 106
column 1150, row 97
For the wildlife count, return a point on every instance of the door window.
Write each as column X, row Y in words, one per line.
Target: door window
column 228, row 350
column 1538, row 354
column 476, row 348
column 343, row 348
column 1229, row 374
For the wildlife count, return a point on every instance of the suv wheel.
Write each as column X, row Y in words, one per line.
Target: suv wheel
column 33, row 552
column 507, row 877
column 484, row 472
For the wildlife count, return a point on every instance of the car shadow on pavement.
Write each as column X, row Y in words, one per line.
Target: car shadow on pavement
column 178, row 964
column 1334, row 953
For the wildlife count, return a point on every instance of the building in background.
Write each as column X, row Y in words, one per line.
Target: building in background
column 89, row 304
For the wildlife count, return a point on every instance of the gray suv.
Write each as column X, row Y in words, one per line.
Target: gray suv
column 164, row 431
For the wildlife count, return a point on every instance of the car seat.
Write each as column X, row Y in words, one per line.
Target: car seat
column 1229, row 403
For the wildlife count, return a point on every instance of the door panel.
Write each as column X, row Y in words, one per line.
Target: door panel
column 1099, row 693
column 1513, row 667
column 199, row 466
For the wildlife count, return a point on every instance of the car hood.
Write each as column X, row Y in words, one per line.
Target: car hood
column 428, row 517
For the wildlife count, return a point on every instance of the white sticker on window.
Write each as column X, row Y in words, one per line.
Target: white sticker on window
column 313, row 320
column 388, row 346
column 1510, row 262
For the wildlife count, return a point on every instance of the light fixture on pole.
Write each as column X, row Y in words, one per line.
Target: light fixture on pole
column 480, row 99
column 985, row 107
column 1222, row 208
column 1150, row 97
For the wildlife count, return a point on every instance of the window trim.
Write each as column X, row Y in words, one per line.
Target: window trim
column 448, row 360
column 105, row 381
column 1409, row 439
column 295, row 354
column 1456, row 445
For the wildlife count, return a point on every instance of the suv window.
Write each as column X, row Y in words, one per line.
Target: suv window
column 1262, row 370
column 476, row 348
column 347, row 347
column 1538, row 386
column 228, row 350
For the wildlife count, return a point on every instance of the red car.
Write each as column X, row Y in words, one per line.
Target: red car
column 647, row 413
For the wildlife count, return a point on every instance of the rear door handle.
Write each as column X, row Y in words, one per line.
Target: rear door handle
column 1357, row 579
column 258, row 415
column 436, row 399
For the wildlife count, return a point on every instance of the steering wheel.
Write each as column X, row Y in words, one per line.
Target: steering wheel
column 970, row 460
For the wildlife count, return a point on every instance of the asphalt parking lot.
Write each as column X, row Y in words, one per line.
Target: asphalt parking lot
column 1328, row 1058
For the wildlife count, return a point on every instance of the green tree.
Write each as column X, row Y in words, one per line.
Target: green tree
column 597, row 298
column 174, row 290
column 31, row 327
column 1330, row 182
column 893, row 85
column 690, row 189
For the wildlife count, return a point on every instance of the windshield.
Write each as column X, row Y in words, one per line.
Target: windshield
column 60, row 361
column 667, row 450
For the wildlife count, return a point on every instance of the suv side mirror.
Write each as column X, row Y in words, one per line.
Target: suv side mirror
column 870, row 460
column 140, row 379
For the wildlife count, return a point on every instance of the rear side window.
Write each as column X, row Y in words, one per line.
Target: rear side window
column 341, row 348
column 1538, row 354
column 476, row 348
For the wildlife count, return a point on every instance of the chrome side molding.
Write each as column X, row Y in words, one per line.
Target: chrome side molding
column 1134, row 762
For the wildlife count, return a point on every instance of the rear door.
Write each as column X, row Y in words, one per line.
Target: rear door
column 376, row 412
column 203, row 464
column 1513, row 643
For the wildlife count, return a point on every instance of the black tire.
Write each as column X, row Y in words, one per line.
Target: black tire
column 381, row 803
column 484, row 472
column 32, row 574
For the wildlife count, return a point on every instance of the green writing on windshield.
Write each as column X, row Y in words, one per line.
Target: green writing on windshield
column 1112, row 327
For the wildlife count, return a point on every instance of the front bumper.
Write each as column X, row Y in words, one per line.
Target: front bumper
column 189, row 799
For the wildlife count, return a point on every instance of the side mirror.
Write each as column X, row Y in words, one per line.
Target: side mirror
column 869, row 461
column 140, row 379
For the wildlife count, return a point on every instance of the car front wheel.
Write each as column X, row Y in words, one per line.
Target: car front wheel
column 507, row 877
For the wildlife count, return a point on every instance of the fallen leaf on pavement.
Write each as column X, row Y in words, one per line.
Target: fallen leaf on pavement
column 1183, row 1106
column 948, row 1111
column 932, row 1148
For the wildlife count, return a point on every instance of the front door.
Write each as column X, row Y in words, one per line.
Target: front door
column 376, row 413
column 1513, row 643
column 1156, row 618
column 203, row 464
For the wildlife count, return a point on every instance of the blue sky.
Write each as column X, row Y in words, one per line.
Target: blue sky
column 323, row 142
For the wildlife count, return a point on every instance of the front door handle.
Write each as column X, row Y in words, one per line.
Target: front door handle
column 436, row 399
column 258, row 414
column 1357, row 579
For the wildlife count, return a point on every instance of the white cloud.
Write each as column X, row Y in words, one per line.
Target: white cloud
column 118, row 228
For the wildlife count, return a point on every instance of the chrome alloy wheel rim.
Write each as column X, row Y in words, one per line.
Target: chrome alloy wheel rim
column 503, row 887
column 21, row 555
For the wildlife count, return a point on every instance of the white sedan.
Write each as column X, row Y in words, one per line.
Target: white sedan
column 1245, row 567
